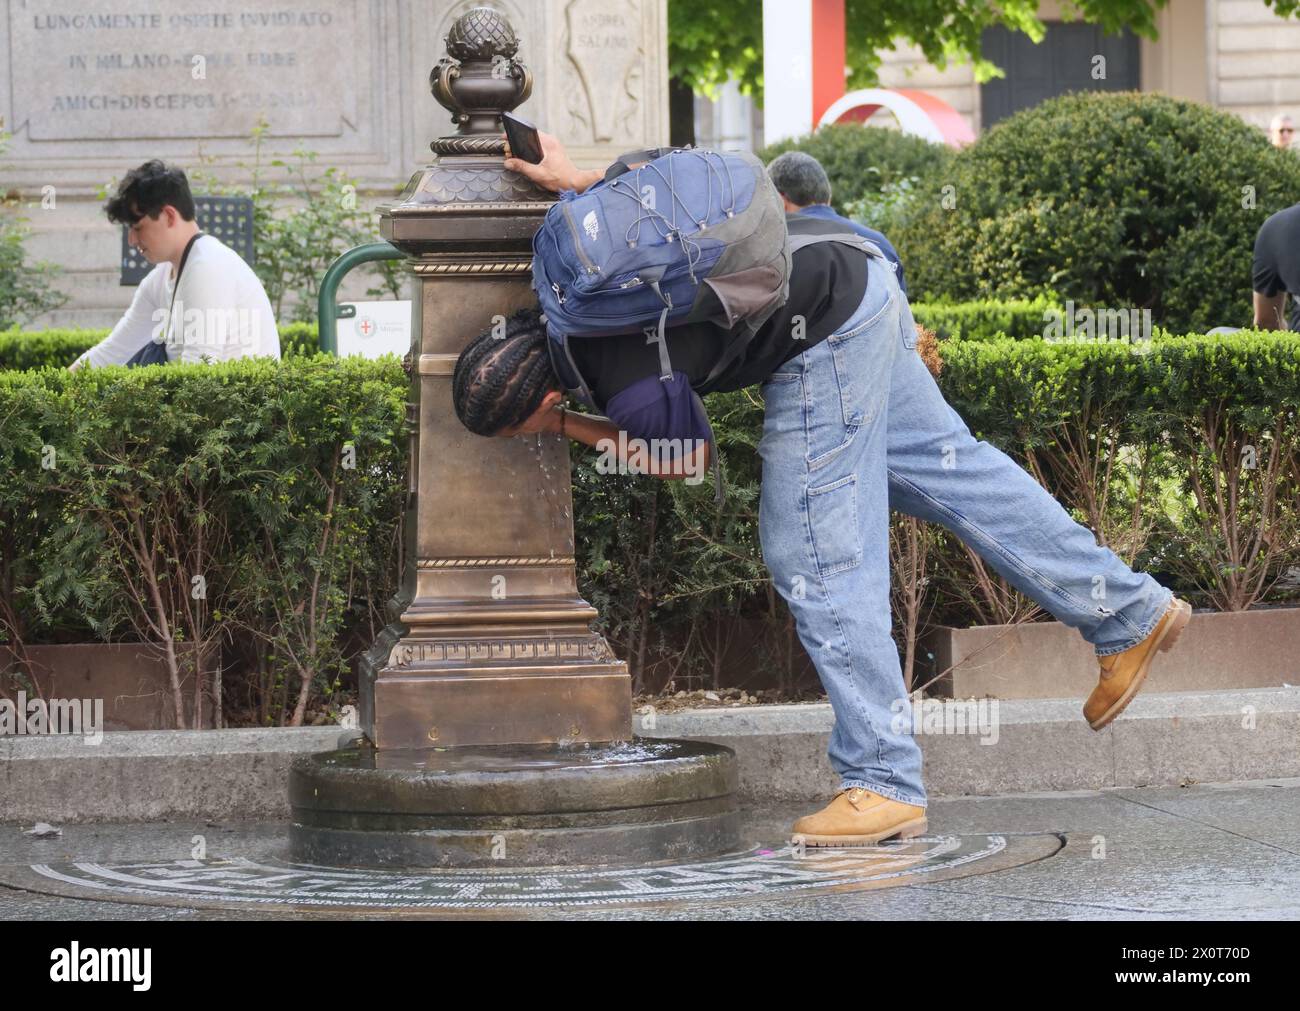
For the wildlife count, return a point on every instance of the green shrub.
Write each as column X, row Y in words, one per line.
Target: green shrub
column 26, row 288
column 1182, row 454
column 275, row 487
column 1200, row 433
column 984, row 318
column 864, row 162
column 1110, row 199
column 36, row 349
column 21, row 350
column 1230, row 413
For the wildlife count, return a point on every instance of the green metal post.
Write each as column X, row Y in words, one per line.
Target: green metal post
column 327, row 308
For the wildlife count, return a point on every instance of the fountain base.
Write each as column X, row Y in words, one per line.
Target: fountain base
column 647, row 800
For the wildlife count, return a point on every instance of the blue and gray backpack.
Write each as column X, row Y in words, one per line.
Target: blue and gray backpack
column 691, row 236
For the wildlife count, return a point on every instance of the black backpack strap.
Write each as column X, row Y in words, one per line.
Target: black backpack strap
column 731, row 352
column 155, row 352
column 714, row 465
column 798, row 242
column 625, row 161
column 571, row 378
column 665, row 363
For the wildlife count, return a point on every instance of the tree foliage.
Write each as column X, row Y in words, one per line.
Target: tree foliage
column 26, row 288
column 708, row 43
column 1109, row 199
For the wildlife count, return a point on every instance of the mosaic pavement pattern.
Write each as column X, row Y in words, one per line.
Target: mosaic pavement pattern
column 761, row 872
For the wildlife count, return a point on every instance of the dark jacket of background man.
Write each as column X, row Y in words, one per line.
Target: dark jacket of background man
column 1276, row 271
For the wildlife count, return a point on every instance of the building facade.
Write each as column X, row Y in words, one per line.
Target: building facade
column 1236, row 55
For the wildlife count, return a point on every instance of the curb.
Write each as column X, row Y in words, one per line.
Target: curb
column 1041, row 745
column 154, row 775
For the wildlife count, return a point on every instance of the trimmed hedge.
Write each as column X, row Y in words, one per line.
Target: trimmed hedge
column 244, row 457
column 1122, row 200
column 35, row 349
column 21, row 350
column 252, row 502
column 1019, row 319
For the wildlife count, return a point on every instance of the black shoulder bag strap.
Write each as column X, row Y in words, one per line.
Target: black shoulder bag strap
column 624, row 162
column 154, row 352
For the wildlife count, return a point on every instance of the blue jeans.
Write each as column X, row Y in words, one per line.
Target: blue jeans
column 855, row 426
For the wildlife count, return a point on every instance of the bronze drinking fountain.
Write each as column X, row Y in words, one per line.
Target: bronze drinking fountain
column 497, row 725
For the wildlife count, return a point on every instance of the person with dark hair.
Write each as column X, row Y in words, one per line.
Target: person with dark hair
column 806, row 189
column 201, row 302
column 1275, row 272
column 854, row 425
column 500, row 378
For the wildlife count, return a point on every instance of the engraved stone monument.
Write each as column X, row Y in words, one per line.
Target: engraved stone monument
column 93, row 88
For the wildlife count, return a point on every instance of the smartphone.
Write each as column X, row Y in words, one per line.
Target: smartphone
column 522, row 135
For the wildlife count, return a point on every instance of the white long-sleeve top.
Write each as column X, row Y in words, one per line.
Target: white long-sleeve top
column 221, row 312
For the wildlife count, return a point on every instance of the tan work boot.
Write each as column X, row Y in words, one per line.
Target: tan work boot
column 858, row 817
column 1122, row 674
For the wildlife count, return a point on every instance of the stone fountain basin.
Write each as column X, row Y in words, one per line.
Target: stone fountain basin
column 514, row 805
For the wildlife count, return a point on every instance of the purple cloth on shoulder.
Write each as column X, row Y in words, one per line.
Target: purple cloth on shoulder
column 653, row 409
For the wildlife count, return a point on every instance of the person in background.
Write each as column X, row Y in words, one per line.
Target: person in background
column 216, row 311
column 1281, row 131
column 806, row 189
column 1276, row 270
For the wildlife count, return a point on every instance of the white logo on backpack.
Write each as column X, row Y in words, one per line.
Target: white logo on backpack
column 591, row 225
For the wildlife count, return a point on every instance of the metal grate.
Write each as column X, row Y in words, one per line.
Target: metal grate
column 230, row 219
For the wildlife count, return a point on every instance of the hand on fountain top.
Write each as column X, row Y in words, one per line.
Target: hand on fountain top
column 555, row 172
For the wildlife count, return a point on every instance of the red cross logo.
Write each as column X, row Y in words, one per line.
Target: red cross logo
column 365, row 326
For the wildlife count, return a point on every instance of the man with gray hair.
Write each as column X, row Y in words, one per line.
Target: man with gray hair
column 805, row 189
column 1281, row 131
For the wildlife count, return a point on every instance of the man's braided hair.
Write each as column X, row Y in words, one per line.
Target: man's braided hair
column 501, row 379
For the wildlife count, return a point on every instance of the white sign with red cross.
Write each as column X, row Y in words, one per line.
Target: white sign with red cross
column 377, row 328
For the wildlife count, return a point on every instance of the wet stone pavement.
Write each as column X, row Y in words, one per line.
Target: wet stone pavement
column 1221, row 851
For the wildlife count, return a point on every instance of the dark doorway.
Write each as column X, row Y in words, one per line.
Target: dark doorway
column 1062, row 62
column 681, row 113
